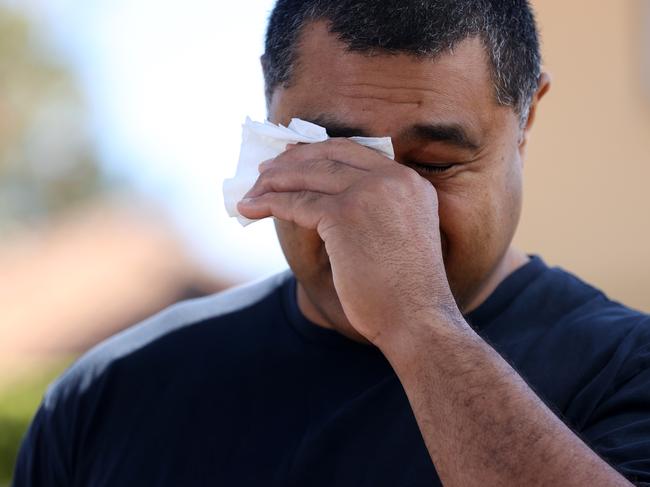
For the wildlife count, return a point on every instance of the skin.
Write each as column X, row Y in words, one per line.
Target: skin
column 388, row 253
column 479, row 201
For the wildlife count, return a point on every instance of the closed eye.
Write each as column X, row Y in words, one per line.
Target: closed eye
column 430, row 168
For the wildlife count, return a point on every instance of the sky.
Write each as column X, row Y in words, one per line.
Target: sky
column 168, row 84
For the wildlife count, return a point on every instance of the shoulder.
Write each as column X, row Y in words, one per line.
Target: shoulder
column 558, row 298
column 583, row 306
column 172, row 328
column 571, row 340
column 172, row 358
column 549, row 305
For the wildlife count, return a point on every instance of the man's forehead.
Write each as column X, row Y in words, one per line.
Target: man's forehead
column 328, row 78
column 386, row 94
column 319, row 50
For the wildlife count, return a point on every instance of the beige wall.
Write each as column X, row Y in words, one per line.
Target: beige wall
column 587, row 189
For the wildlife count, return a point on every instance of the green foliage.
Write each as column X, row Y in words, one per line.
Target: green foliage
column 47, row 160
column 18, row 404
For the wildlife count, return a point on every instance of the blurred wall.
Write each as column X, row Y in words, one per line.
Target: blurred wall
column 587, row 188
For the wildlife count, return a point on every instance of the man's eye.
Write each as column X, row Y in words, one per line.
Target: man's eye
column 429, row 168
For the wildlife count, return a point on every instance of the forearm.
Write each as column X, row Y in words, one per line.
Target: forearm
column 481, row 422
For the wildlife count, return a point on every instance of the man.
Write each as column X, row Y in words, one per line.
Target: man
column 410, row 344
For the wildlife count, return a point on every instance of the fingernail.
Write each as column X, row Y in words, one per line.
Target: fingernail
column 246, row 201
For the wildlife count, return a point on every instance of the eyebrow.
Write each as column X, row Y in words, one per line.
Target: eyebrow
column 452, row 134
column 336, row 128
column 447, row 133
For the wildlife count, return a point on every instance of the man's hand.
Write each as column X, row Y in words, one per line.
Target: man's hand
column 379, row 222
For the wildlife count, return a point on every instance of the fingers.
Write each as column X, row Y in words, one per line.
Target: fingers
column 342, row 150
column 322, row 176
column 303, row 183
column 304, row 208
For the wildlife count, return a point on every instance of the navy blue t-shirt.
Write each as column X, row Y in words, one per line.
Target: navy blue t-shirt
column 240, row 389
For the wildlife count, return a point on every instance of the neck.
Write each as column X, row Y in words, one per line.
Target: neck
column 511, row 261
column 335, row 320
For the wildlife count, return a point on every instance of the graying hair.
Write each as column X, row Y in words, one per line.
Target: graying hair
column 422, row 28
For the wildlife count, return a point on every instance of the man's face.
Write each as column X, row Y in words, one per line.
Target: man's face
column 441, row 111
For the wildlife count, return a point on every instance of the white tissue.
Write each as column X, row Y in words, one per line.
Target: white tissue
column 263, row 141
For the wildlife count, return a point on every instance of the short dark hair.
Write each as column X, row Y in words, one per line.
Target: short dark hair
column 417, row 27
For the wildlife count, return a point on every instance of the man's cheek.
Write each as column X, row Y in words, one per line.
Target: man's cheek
column 449, row 213
column 309, row 239
column 303, row 247
column 465, row 229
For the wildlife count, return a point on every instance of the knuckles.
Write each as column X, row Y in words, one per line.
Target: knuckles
column 399, row 182
column 337, row 148
column 330, row 167
column 339, row 143
column 389, row 193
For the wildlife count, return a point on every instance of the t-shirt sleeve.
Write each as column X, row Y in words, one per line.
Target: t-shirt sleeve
column 620, row 427
column 41, row 459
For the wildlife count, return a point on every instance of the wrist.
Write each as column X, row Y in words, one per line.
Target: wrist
column 422, row 332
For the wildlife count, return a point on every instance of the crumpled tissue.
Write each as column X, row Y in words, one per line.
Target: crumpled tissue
column 264, row 140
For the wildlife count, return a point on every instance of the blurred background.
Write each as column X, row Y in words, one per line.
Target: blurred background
column 120, row 119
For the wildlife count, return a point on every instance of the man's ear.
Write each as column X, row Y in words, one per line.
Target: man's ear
column 267, row 95
column 263, row 63
column 543, row 85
